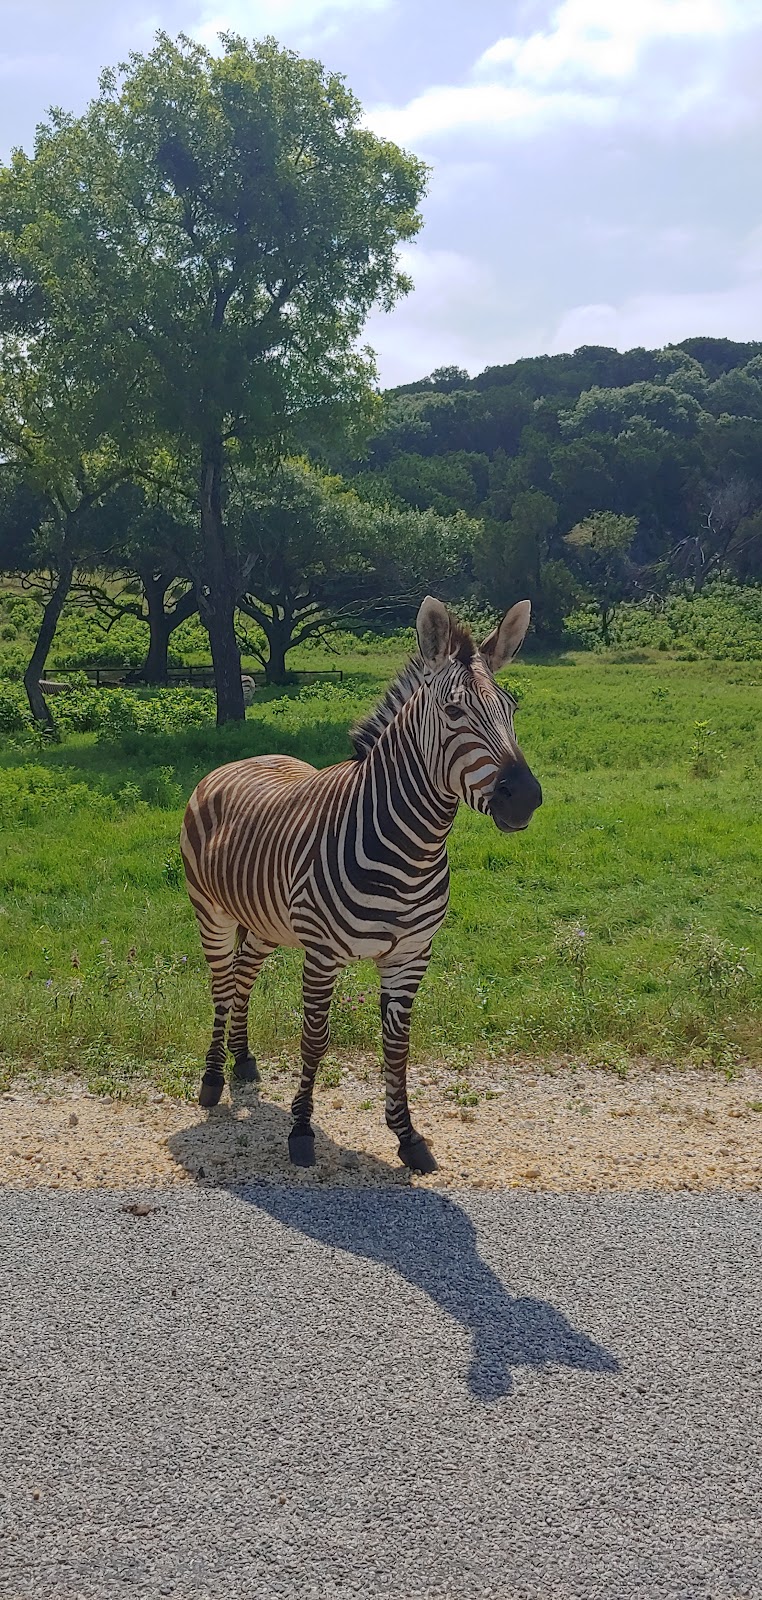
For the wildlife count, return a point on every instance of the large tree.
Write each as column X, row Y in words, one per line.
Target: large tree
column 145, row 544
column 601, row 544
column 61, row 463
column 520, row 552
column 315, row 555
column 208, row 240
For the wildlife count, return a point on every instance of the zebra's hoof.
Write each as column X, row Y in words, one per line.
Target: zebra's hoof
column 301, row 1145
column 212, row 1085
column 246, row 1070
column 416, row 1154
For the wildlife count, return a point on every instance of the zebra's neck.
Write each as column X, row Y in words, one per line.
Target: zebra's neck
column 402, row 769
column 367, row 733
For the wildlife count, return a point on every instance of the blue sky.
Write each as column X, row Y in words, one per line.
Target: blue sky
column 595, row 163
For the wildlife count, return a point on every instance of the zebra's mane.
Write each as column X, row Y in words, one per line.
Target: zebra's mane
column 367, row 732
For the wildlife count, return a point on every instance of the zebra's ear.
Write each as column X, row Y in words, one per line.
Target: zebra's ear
column 507, row 638
column 433, row 629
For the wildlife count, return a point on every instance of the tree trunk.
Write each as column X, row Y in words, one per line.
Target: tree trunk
column 279, row 642
column 155, row 666
column 37, row 702
column 218, row 595
column 162, row 623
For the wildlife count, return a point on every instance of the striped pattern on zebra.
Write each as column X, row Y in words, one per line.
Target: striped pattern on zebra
column 351, row 862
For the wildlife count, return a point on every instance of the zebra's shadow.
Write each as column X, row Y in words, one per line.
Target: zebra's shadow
column 422, row 1234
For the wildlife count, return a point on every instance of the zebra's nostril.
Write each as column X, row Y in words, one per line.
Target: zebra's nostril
column 518, row 791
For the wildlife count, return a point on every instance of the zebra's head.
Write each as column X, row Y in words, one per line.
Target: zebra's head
column 471, row 717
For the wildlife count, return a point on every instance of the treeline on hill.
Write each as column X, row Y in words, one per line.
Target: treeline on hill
column 592, row 478
column 188, row 429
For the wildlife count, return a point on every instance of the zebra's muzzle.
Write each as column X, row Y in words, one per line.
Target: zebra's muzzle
column 515, row 798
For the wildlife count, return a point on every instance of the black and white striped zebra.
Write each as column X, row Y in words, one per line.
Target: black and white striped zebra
column 351, row 862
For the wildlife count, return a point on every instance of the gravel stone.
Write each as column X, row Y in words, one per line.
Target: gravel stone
column 565, row 1130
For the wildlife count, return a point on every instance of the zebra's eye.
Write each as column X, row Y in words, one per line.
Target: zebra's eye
column 455, row 711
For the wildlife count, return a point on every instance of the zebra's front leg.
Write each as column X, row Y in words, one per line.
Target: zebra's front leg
column 318, row 980
column 399, row 986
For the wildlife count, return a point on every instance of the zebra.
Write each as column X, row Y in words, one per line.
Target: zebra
column 350, row 862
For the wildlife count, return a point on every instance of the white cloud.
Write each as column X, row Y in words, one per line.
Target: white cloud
column 595, row 39
column 254, row 18
column 492, row 106
column 455, row 316
column 461, row 313
column 596, row 62
column 658, row 319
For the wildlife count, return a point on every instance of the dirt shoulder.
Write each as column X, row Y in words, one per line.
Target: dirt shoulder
column 564, row 1129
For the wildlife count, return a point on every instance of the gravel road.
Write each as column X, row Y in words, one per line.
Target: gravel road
column 320, row 1392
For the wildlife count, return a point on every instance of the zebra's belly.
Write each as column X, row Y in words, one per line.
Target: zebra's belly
column 363, row 925
column 265, row 914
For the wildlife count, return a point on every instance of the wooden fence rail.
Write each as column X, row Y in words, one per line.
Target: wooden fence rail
column 196, row 677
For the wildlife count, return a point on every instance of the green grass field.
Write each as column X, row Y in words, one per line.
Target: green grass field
column 625, row 921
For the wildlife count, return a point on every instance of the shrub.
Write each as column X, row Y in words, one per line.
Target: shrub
column 14, row 712
column 81, row 711
column 166, row 711
column 724, row 622
column 29, row 793
column 81, row 642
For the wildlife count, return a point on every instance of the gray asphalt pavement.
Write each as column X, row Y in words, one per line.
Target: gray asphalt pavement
column 322, row 1392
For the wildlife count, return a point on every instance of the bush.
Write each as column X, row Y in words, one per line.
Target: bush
column 166, row 711
column 29, row 793
column 13, row 662
column 81, row 642
column 14, row 711
column 81, row 711
column 724, row 622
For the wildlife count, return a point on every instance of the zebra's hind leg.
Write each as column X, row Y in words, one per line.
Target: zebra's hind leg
column 218, row 937
column 250, row 957
column 399, row 986
column 318, row 980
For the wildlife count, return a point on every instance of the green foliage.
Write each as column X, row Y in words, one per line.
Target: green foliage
column 602, row 411
column 706, row 755
column 14, row 710
column 652, row 436
column 81, row 639
column 723, row 622
column 317, row 552
column 32, row 794
column 189, row 644
column 173, row 873
column 126, row 712
column 601, row 545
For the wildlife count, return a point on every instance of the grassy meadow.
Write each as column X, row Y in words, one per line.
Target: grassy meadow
column 626, row 920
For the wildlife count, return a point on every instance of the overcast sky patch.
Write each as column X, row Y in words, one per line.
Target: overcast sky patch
column 595, row 166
